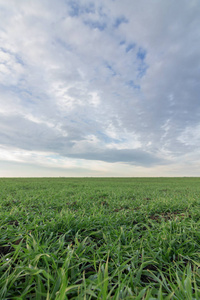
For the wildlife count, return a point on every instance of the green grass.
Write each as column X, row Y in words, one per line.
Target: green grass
column 100, row 238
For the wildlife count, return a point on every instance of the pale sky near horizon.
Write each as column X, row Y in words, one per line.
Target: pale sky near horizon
column 99, row 88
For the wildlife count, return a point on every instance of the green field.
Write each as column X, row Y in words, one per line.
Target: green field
column 100, row 238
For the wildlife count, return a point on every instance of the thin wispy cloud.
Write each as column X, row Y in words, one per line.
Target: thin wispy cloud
column 99, row 88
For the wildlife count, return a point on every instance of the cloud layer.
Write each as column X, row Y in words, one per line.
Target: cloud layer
column 85, row 83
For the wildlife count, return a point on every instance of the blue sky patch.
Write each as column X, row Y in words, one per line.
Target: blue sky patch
column 19, row 60
column 130, row 47
column 62, row 43
column 141, row 54
column 123, row 42
column 142, row 69
column 110, row 68
column 17, row 90
column 96, row 25
column 76, row 9
column 119, row 21
column 131, row 84
column 106, row 138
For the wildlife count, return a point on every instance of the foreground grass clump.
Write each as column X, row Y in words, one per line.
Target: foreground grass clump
column 131, row 238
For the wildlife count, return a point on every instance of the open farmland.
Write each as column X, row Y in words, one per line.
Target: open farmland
column 100, row 238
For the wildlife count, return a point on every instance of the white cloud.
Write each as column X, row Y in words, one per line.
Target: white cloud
column 191, row 136
column 100, row 79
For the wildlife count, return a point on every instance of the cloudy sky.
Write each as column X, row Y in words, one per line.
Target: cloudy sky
column 99, row 88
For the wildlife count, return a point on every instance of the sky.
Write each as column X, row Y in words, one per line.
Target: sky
column 99, row 88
